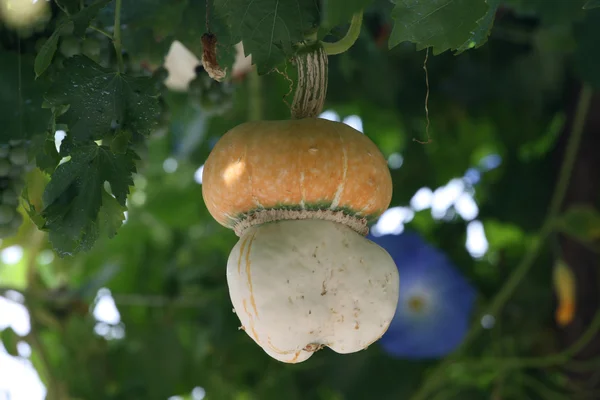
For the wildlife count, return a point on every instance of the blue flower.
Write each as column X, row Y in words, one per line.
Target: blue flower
column 435, row 301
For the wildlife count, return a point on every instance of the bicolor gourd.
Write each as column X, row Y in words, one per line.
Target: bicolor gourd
column 300, row 194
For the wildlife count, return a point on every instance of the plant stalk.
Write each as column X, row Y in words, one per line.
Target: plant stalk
column 101, row 31
column 63, row 9
column 33, row 337
column 255, row 106
column 117, row 36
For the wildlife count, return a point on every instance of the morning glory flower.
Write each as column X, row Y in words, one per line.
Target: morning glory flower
column 435, row 302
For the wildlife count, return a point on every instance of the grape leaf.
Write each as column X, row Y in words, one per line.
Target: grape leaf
column 120, row 142
column 102, row 100
column 111, row 215
column 484, row 26
column 591, row 4
column 269, row 28
column 76, row 208
column 441, row 24
column 46, row 155
column 337, row 12
column 21, row 98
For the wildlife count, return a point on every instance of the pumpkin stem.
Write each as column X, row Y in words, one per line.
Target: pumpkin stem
column 311, row 89
column 347, row 41
column 255, row 107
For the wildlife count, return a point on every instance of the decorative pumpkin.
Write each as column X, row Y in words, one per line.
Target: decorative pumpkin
column 263, row 169
column 299, row 194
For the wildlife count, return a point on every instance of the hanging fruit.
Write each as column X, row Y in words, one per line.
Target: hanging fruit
column 299, row 194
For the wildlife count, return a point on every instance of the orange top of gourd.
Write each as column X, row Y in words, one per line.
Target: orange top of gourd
column 305, row 164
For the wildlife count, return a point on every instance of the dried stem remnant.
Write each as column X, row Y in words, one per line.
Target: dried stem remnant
column 209, row 57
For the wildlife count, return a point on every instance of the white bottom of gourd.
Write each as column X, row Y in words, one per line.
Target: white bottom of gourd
column 298, row 286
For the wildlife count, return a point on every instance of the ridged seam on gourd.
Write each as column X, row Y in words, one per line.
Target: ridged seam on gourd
column 249, row 277
column 359, row 225
column 342, row 184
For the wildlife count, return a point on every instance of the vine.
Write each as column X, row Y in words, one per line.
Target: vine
column 117, row 36
column 428, row 141
column 348, row 40
column 312, row 66
column 539, row 362
column 436, row 377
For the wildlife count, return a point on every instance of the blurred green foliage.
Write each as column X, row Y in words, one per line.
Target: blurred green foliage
column 165, row 267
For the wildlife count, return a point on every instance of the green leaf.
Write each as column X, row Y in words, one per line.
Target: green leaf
column 111, row 216
column 22, row 115
column 46, row 53
column 484, row 26
column 591, row 4
column 47, row 157
column 441, row 24
column 269, row 29
column 37, row 219
column 587, row 56
column 120, row 142
column 9, row 339
column 76, row 208
column 337, row 12
column 82, row 19
column 581, row 222
column 102, row 100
